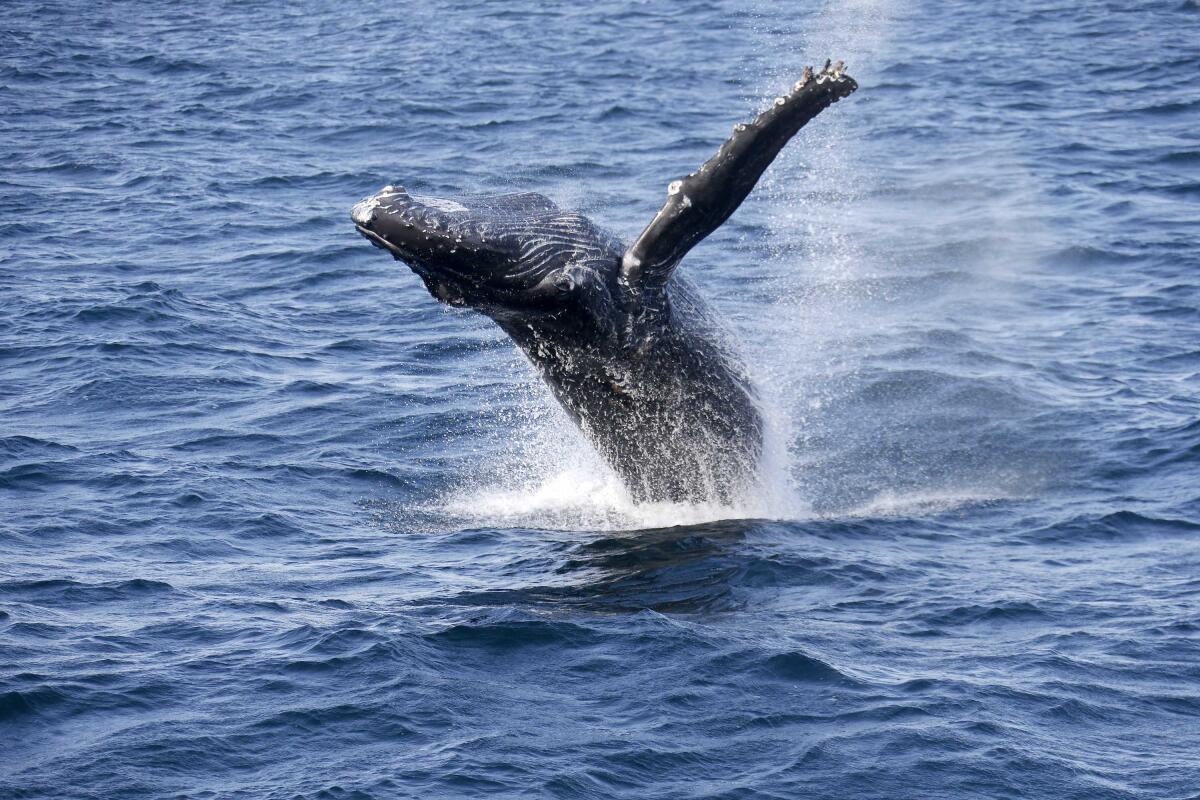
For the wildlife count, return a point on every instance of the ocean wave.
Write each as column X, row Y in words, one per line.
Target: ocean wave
column 272, row 524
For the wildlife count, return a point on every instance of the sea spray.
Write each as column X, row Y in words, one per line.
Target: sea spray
column 547, row 475
column 814, row 252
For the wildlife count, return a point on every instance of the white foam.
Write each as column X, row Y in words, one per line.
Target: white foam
column 923, row 504
column 583, row 501
column 577, row 500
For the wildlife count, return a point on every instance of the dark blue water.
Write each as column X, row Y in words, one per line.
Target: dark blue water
column 273, row 524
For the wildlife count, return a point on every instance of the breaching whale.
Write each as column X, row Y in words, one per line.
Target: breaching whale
column 624, row 341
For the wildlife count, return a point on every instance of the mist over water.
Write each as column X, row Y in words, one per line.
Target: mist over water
column 274, row 524
column 883, row 265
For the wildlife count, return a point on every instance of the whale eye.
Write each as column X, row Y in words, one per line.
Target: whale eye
column 564, row 282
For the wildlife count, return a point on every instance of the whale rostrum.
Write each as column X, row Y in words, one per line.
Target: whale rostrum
column 625, row 343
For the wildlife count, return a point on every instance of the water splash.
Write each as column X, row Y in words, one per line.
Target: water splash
column 577, row 500
column 831, row 276
column 548, row 475
column 541, row 472
column 813, row 190
column 884, row 283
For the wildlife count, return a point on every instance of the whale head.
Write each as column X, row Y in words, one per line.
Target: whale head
column 497, row 254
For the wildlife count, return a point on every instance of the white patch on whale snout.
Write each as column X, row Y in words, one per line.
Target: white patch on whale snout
column 439, row 204
column 364, row 210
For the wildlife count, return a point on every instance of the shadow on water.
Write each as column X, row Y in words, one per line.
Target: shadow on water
column 685, row 569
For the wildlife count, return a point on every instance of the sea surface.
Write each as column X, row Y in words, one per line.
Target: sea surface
column 275, row 524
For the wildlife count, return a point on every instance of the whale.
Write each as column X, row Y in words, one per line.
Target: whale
column 624, row 341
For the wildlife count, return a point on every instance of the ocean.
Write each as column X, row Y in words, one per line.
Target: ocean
column 275, row 524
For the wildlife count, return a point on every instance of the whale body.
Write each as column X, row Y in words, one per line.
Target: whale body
column 626, row 344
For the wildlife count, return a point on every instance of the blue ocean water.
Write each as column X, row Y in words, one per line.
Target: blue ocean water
column 273, row 524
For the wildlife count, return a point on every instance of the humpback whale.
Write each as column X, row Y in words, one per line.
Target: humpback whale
column 626, row 344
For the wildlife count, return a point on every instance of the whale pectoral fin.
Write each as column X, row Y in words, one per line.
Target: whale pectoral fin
column 698, row 204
